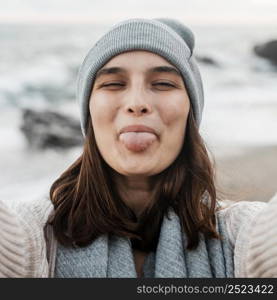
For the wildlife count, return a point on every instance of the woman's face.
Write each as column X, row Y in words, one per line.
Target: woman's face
column 139, row 88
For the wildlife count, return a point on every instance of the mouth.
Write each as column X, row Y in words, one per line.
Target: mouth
column 138, row 128
column 137, row 138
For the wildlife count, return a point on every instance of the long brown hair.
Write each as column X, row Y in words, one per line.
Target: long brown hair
column 87, row 203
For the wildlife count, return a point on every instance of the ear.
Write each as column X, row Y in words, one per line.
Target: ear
column 185, row 32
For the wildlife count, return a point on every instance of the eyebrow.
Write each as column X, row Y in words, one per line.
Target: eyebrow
column 159, row 69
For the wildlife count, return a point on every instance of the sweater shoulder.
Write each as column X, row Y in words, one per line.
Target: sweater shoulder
column 239, row 218
column 238, row 214
column 35, row 210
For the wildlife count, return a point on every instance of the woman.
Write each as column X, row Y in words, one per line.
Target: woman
column 141, row 200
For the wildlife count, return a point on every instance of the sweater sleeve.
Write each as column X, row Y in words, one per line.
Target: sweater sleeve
column 12, row 244
column 240, row 217
column 22, row 243
column 261, row 260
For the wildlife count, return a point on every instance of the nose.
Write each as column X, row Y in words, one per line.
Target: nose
column 137, row 104
column 138, row 109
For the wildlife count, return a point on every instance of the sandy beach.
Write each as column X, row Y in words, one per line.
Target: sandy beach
column 250, row 174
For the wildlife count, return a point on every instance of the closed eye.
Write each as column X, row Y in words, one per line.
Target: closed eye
column 164, row 83
column 114, row 83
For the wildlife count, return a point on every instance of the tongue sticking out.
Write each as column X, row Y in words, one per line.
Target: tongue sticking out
column 137, row 141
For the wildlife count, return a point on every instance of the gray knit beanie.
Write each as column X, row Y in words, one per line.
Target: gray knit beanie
column 168, row 38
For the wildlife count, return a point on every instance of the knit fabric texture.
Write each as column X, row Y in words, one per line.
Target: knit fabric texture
column 28, row 247
column 261, row 259
column 111, row 256
column 168, row 38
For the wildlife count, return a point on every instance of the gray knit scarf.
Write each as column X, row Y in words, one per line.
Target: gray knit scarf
column 112, row 256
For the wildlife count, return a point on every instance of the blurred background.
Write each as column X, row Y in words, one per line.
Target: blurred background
column 43, row 43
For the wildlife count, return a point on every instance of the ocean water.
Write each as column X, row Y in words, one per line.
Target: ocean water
column 38, row 69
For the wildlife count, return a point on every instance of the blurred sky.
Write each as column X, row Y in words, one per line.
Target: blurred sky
column 235, row 12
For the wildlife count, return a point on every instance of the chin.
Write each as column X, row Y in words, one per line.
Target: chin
column 131, row 172
column 140, row 171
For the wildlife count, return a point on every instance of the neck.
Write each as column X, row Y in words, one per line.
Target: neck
column 136, row 191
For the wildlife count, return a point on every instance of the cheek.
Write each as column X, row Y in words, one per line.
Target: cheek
column 102, row 117
column 102, row 112
column 174, row 114
column 174, row 110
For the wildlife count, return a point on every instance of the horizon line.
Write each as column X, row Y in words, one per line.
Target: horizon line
column 198, row 19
